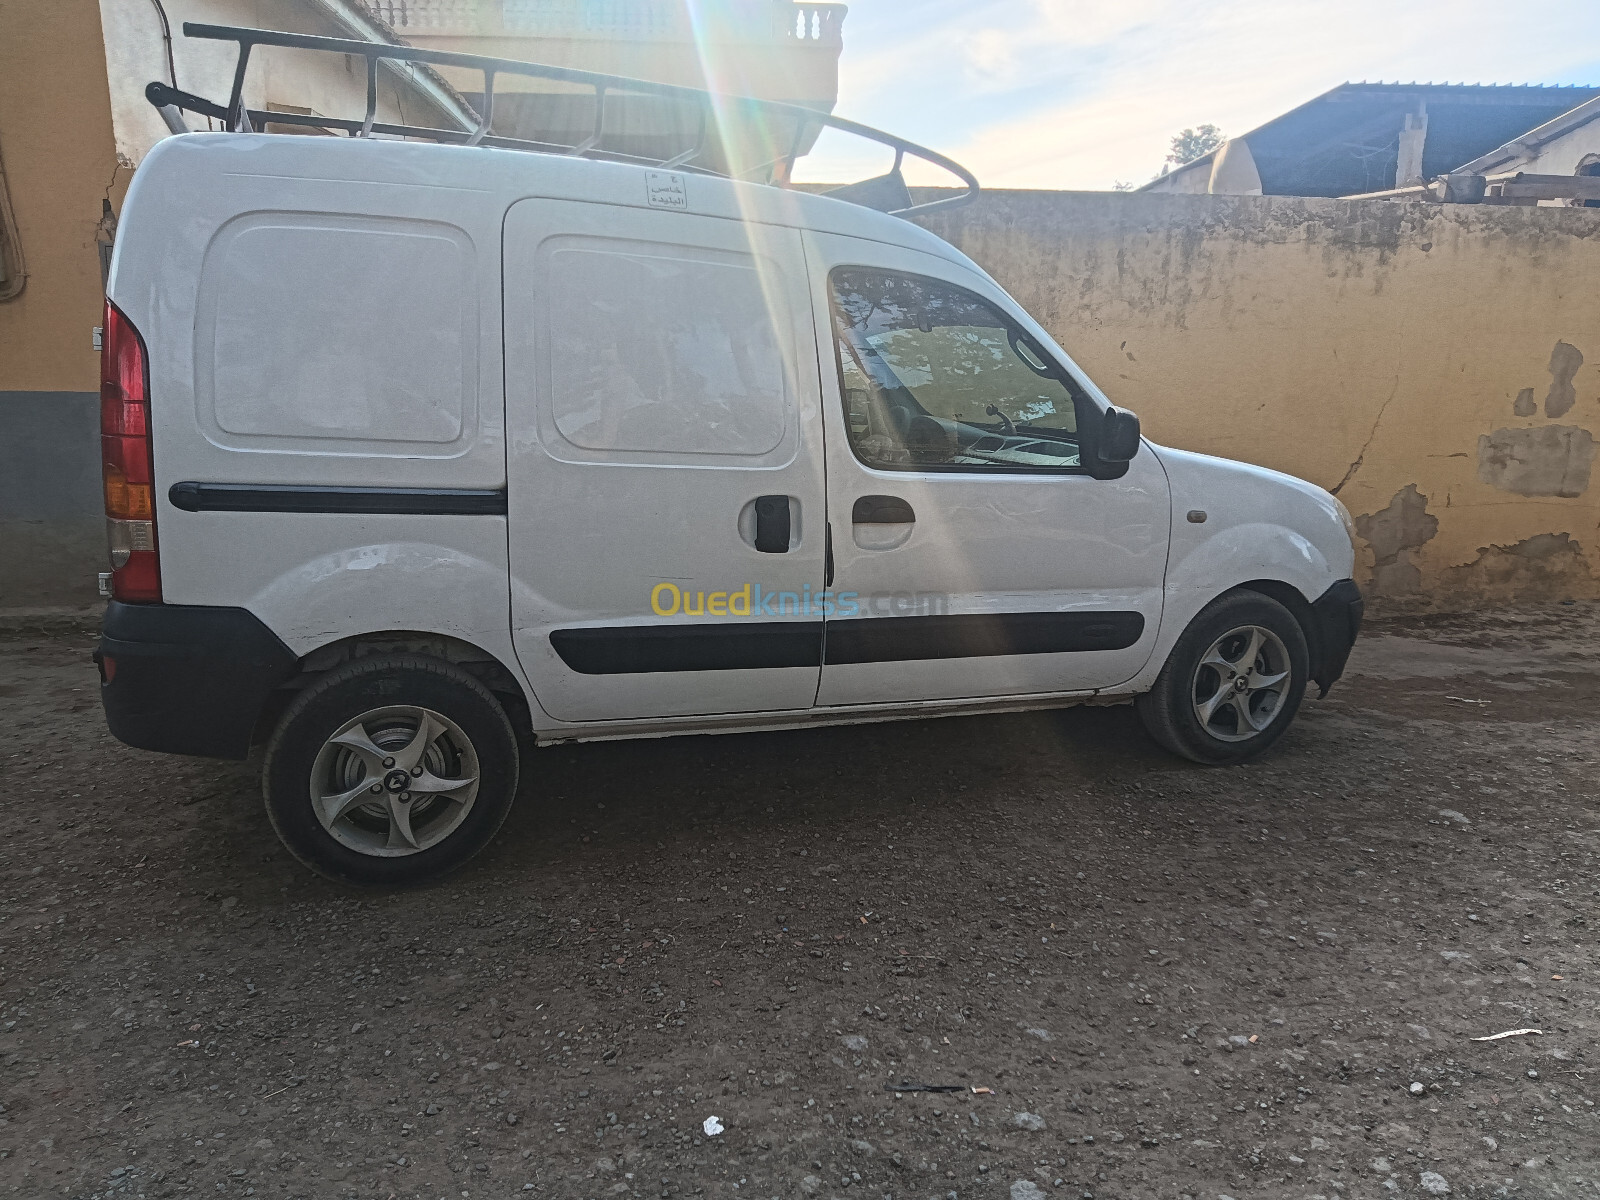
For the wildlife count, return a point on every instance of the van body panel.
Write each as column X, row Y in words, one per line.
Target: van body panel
column 1030, row 557
column 352, row 370
column 661, row 381
column 1258, row 524
column 347, row 575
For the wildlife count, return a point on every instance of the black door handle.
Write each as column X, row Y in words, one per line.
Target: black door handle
column 772, row 524
column 882, row 510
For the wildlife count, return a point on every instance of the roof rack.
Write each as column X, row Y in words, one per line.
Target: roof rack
column 887, row 193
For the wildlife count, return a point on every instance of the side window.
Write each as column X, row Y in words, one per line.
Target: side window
column 665, row 352
column 935, row 377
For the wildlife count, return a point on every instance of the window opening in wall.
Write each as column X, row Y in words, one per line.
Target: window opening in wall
column 13, row 271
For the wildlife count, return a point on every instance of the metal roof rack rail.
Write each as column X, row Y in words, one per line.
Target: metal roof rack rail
column 887, row 193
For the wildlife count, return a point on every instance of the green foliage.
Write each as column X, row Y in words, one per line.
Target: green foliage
column 1194, row 143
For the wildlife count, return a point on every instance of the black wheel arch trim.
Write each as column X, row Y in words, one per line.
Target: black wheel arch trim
column 1331, row 632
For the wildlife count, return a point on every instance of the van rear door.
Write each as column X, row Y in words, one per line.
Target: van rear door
column 664, row 449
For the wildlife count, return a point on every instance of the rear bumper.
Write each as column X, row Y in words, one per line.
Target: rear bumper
column 187, row 679
column 1335, row 619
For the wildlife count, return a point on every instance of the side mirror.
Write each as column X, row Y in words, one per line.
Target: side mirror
column 1119, row 436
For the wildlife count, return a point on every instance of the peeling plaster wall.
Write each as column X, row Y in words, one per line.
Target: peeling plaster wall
column 1436, row 365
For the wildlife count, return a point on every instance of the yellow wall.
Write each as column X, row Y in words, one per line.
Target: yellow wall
column 55, row 136
column 1438, row 365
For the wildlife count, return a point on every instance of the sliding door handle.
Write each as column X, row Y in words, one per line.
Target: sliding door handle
column 882, row 510
column 772, row 524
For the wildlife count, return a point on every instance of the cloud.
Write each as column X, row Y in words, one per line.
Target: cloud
column 1079, row 93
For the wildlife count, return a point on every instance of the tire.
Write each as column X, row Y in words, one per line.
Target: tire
column 1207, row 704
column 438, row 800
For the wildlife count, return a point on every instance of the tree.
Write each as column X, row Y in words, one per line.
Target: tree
column 1194, row 143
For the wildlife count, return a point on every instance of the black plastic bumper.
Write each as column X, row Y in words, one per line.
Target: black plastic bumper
column 1335, row 619
column 187, row 679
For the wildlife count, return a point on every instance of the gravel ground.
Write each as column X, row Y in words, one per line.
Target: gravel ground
column 1171, row 980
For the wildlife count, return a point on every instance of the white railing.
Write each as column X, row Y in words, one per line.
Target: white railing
column 818, row 23
column 643, row 20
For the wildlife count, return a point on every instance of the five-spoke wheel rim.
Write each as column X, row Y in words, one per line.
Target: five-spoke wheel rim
column 394, row 781
column 1241, row 683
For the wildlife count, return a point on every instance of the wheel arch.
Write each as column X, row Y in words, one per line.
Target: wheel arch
column 1291, row 598
column 476, row 661
column 1330, row 623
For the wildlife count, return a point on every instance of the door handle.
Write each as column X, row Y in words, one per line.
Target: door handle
column 772, row 524
column 882, row 510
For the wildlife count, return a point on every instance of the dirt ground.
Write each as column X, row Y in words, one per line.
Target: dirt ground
column 1175, row 981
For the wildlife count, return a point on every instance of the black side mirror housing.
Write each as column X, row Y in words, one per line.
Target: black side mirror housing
column 1119, row 436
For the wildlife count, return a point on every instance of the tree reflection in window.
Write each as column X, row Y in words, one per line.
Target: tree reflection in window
column 934, row 376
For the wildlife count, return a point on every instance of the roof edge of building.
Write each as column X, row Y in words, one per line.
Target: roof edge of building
column 1539, row 135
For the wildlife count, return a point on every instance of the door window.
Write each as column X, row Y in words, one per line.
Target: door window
column 936, row 378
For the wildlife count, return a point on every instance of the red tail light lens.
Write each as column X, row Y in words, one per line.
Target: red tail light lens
column 126, row 458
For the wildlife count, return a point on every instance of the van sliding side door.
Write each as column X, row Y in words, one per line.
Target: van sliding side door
column 664, row 450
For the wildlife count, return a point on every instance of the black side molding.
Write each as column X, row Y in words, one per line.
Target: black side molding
column 303, row 498
column 754, row 645
column 725, row 646
column 898, row 639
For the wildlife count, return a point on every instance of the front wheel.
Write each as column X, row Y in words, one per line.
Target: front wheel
column 1233, row 682
column 390, row 770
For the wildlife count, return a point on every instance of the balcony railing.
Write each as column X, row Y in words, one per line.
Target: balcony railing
column 643, row 20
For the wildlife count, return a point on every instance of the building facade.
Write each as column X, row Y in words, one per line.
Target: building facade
column 769, row 49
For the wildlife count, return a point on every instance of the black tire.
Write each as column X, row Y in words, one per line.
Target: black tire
column 1171, row 709
column 375, row 842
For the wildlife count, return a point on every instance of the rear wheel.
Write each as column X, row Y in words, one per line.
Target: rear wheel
column 390, row 770
column 1233, row 682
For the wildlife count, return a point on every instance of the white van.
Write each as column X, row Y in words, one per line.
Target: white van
column 413, row 449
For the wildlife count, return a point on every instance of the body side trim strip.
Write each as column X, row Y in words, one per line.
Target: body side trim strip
column 302, row 498
column 757, row 645
column 732, row 646
column 899, row 639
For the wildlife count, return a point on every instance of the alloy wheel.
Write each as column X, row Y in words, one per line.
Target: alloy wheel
column 394, row 781
column 1241, row 683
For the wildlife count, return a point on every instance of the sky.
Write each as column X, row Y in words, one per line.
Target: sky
column 1086, row 93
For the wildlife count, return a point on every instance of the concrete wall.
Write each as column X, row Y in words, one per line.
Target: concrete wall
column 52, row 523
column 1438, row 366
column 55, row 134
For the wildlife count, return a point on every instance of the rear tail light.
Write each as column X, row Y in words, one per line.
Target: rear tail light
column 127, row 462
